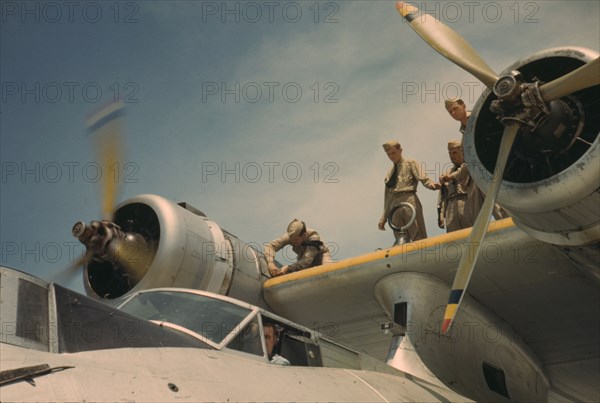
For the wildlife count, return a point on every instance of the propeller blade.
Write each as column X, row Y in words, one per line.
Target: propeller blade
column 467, row 261
column 65, row 275
column 585, row 76
column 105, row 127
column 448, row 43
column 110, row 158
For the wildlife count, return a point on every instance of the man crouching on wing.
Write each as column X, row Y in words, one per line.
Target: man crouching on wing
column 306, row 243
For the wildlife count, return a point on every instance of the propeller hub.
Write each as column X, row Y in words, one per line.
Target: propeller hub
column 78, row 229
column 508, row 88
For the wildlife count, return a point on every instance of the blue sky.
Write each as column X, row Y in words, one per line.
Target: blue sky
column 253, row 112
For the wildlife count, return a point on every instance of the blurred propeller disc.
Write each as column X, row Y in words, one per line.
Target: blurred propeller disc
column 105, row 127
column 66, row 274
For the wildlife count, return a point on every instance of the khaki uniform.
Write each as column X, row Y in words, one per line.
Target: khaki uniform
column 311, row 253
column 452, row 202
column 475, row 196
column 408, row 174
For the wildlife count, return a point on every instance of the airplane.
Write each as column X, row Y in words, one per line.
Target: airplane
column 175, row 344
column 526, row 328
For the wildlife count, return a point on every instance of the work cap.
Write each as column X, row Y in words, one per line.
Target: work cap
column 390, row 144
column 454, row 144
column 295, row 228
column 449, row 102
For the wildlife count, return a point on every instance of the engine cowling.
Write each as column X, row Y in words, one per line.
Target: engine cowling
column 186, row 250
column 551, row 184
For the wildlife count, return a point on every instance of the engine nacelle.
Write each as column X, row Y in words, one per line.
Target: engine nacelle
column 481, row 357
column 551, row 184
column 187, row 250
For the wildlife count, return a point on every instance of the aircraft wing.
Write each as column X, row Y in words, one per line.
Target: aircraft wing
column 524, row 290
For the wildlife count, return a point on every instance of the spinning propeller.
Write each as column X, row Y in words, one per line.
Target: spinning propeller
column 125, row 253
column 105, row 129
column 519, row 105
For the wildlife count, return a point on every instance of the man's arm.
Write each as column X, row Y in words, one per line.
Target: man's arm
column 387, row 202
column 305, row 261
column 422, row 177
column 441, row 207
column 460, row 174
column 271, row 249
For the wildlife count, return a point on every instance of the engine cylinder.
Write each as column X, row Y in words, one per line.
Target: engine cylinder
column 551, row 184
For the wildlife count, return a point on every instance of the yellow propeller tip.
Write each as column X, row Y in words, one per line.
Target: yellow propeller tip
column 404, row 8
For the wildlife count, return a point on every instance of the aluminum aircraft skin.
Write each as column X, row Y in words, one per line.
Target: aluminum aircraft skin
column 505, row 312
column 175, row 344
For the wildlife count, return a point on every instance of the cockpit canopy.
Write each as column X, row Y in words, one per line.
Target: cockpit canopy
column 205, row 316
column 223, row 323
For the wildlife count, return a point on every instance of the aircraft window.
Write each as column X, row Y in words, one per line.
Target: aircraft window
column 401, row 316
column 295, row 345
column 24, row 308
column 84, row 324
column 248, row 340
column 495, row 379
column 209, row 317
column 300, row 350
column 32, row 312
